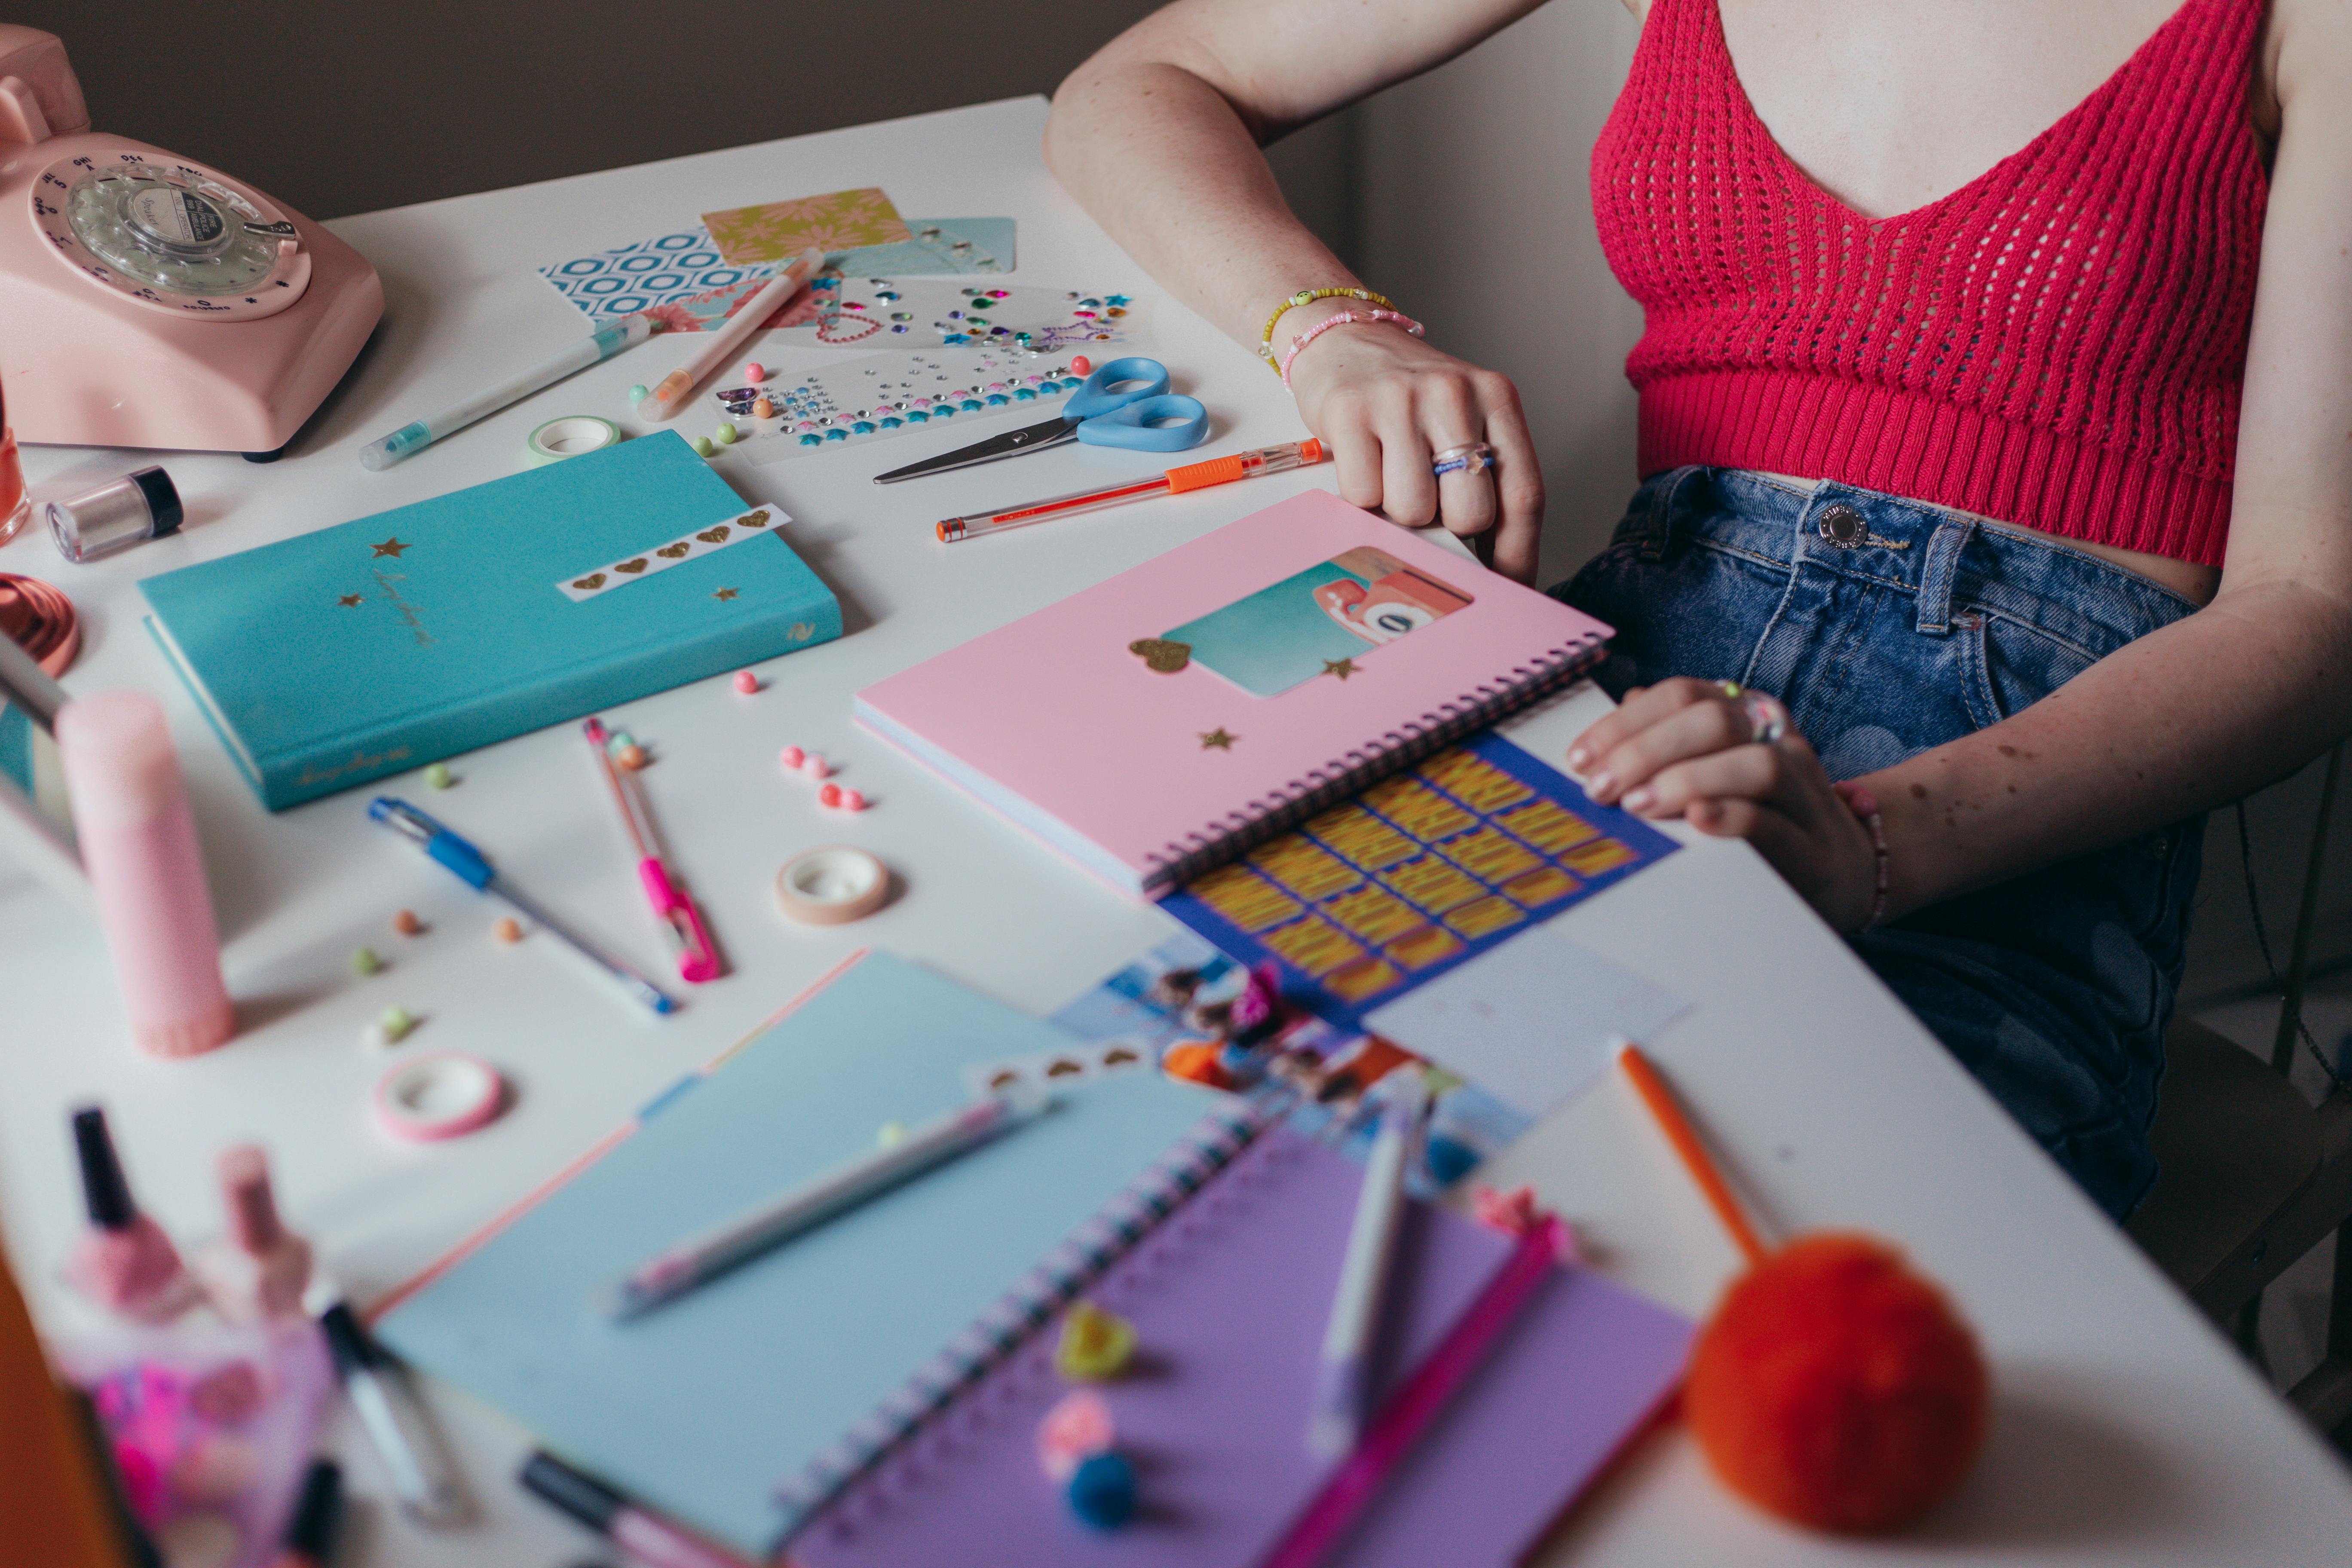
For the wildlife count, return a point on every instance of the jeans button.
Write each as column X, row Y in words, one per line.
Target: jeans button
column 1842, row 526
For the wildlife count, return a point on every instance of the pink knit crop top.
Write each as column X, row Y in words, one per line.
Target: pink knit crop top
column 2061, row 343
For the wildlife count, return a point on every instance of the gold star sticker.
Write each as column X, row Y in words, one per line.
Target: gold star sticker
column 1342, row 667
column 348, row 600
column 1219, row 740
column 724, row 593
column 391, row 547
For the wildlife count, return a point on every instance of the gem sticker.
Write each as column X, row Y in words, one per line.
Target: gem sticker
column 603, row 579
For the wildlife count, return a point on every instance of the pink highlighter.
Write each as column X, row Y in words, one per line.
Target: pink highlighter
column 138, row 841
column 258, row 1273
column 124, row 1262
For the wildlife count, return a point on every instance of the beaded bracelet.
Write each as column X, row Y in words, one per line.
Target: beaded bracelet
column 1344, row 319
column 1864, row 806
column 1309, row 297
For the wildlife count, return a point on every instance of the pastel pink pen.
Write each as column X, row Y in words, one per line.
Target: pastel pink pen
column 260, row 1272
column 138, row 841
column 124, row 1262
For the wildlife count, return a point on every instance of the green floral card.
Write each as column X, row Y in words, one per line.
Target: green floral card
column 778, row 231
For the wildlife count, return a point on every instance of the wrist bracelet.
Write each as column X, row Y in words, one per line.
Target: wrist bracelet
column 1309, row 297
column 1864, row 806
column 1344, row 319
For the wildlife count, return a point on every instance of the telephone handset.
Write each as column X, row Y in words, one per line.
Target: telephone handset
column 148, row 301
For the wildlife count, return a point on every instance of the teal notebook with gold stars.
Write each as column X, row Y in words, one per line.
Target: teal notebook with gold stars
column 375, row 646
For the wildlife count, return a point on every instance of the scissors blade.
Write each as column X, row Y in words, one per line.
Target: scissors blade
column 1012, row 444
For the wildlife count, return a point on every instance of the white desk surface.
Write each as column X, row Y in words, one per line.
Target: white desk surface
column 2126, row 1430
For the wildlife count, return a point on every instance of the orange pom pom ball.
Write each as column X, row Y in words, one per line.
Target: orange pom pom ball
column 1837, row 1388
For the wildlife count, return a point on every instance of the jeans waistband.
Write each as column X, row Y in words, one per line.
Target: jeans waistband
column 1946, row 558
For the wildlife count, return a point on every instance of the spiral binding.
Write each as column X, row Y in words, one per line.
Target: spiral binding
column 1216, row 842
column 1208, row 1147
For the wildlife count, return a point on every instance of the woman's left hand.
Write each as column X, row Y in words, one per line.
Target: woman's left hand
column 1728, row 763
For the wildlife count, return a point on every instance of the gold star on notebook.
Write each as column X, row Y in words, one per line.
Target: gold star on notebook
column 391, row 547
column 1218, row 739
column 348, row 600
column 724, row 593
column 1342, row 667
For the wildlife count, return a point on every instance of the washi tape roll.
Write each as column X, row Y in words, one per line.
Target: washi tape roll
column 441, row 1096
column 570, row 436
column 832, row 886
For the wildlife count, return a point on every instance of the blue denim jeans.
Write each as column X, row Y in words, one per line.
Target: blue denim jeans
column 1917, row 627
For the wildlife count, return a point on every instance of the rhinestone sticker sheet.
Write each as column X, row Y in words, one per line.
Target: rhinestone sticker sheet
column 1416, row 875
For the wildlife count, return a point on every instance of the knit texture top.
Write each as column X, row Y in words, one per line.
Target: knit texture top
column 2061, row 343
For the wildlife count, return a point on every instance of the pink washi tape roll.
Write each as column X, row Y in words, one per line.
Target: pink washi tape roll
column 445, row 1094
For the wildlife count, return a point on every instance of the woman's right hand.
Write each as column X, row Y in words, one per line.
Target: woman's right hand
column 1384, row 402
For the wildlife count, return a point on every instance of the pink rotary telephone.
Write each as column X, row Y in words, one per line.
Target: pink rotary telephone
column 146, row 301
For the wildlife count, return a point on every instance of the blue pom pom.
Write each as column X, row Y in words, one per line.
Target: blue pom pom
column 1448, row 1160
column 1102, row 1491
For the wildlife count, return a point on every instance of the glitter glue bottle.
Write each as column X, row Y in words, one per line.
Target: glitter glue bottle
column 258, row 1272
column 123, row 1262
column 138, row 841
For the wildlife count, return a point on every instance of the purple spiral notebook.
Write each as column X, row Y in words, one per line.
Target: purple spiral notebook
column 1228, row 1298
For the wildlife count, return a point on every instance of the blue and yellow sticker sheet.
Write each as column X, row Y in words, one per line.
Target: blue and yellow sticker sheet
column 1416, row 875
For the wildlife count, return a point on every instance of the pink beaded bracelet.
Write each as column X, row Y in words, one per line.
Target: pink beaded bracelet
column 1860, row 801
column 1344, row 319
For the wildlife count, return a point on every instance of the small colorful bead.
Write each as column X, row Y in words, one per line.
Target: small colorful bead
column 724, row 435
column 746, row 683
column 637, row 393
column 791, row 757
column 438, row 776
column 507, row 930
column 406, row 922
column 702, row 447
column 755, row 372
column 395, row 1022
column 850, row 800
column 1095, row 1346
column 829, row 795
column 1102, row 1491
column 815, row 766
column 762, row 409
column 1074, row 1431
column 632, row 757
column 1082, row 365
column 364, row 961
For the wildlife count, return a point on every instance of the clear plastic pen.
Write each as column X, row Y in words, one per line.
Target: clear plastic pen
column 1247, row 464
column 606, row 340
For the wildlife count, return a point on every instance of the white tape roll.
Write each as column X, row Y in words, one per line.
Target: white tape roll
column 832, row 886
column 573, row 436
column 439, row 1096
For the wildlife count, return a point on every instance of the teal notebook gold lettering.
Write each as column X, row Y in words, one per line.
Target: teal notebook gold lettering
column 375, row 646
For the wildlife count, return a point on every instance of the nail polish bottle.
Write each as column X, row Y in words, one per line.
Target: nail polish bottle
column 137, row 842
column 258, row 1272
column 124, row 1262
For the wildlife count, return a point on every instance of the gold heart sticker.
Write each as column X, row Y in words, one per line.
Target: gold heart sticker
column 589, row 583
column 1160, row 655
column 1119, row 1057
column 754, row 520
column 713, row 535
column 672, row 551
column 1063, row 1067
column 630, row 566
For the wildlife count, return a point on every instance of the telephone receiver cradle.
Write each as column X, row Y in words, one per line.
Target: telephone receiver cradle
column 148, row 301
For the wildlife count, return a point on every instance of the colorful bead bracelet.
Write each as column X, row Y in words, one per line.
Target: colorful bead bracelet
column 1309, row 297
column 1344, row 319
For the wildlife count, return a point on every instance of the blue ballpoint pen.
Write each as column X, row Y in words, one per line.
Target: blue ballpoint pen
column 475, row 870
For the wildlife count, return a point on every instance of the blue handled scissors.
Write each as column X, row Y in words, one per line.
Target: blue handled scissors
column 1123, row 403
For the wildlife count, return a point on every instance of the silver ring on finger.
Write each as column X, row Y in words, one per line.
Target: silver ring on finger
column 1767, row 719
column 1470, row 458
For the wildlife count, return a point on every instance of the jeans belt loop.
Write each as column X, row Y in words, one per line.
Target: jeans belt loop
column 1936, row 572
column 1658, row 528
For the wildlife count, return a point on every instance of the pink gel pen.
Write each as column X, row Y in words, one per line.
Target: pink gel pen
column 697, row 959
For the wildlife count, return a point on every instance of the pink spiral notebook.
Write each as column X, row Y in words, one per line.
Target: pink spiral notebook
column 1166, row 719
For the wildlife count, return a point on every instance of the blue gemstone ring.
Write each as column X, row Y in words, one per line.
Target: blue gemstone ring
column 1475, row 458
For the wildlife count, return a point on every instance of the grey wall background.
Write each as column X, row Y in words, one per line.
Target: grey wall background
column 1463, row 195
